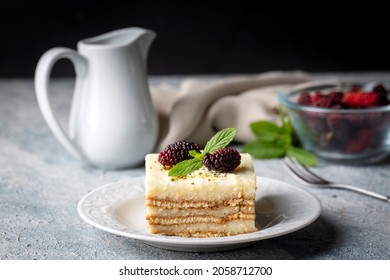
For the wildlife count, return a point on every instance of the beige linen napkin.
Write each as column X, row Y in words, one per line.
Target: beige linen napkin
column 198, row 109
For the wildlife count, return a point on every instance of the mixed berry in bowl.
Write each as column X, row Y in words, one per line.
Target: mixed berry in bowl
column 348, row 123
column 353, row 97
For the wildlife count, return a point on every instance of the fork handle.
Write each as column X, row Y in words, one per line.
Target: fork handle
column 362, row 191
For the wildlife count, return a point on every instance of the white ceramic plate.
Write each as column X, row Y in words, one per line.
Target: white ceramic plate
column 119, row 208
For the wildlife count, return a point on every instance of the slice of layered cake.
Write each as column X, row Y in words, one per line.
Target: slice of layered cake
column 215, row 199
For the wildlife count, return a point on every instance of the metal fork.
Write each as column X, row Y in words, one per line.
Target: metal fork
column 307, row 177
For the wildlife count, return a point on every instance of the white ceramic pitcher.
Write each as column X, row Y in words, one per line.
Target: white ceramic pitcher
column 112, row 120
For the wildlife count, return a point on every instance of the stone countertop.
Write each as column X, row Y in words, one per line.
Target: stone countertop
column 41, row 185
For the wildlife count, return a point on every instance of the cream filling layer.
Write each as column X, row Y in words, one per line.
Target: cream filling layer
column 198, row 219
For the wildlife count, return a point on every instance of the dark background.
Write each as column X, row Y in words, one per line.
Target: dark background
column 205, row 39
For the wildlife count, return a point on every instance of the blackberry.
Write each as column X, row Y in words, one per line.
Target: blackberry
column 382, row 93
column 304, row 98
column 177, row 152
column 335, row 97
column 323, row 102
column 222, row 160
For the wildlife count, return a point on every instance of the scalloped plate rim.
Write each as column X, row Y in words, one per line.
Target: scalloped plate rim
column 155, row 239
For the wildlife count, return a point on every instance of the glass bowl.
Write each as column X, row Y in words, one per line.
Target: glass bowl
column 351, row 136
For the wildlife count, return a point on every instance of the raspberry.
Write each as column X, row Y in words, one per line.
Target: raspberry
column 316, row 96
column 358, row 99
column 177, row 152
column 222, row 160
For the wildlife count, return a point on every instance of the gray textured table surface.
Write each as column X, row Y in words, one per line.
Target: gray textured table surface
column 41, row 185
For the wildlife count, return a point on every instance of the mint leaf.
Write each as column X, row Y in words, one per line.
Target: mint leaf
column 264, row 150
column 265, row 130
column 269, row 132
column 273, row 141
column 284, row 139
column 185, row 167
column 220, row 140
column 196, row 154
column 302, row 155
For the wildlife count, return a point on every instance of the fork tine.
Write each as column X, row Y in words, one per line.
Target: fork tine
column 314, row 177
column 295, row 172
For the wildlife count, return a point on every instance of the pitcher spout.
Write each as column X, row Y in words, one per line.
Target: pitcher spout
column 122, row 38
column 144, row 40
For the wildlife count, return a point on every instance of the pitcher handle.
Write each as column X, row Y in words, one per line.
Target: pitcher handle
column 42, row 77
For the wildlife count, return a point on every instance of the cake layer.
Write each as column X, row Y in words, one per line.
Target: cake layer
column 153, row 211
column 204, row 229
column 201, row 185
